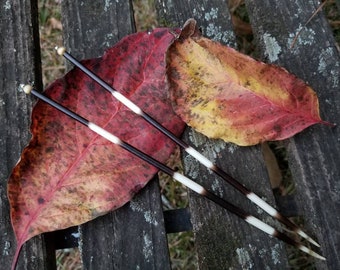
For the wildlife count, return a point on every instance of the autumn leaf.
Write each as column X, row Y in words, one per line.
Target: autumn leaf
column 225, row 94
column 67, row 174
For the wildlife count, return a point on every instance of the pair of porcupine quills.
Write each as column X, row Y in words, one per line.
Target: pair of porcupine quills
column 191, row 151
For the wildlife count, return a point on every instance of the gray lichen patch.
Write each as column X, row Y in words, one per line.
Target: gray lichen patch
column 303, row 36
column 147, row 246
column 326, row 57
column 275, row 253
column 196, row 138
column 212, row 14
column 214, row 31
column 108, row 40
column 272, row 47
column 244, row 259
column 217, row 188
column 211, row 148
column 191, row 167
column 107, row 5
column 148, row 215
column 7, row 247
column 7, row 5
column 232, row 148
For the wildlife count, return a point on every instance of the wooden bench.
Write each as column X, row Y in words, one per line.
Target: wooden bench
column 135, row 236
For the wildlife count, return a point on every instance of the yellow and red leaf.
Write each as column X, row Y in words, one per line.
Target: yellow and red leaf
column 225, row 94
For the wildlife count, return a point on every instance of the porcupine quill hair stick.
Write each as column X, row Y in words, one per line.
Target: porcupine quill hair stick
column 190, row 150
column 177, row 176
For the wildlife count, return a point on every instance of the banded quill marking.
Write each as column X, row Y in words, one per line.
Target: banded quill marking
column 177, row 176
column 190, row 150
column 271, row 231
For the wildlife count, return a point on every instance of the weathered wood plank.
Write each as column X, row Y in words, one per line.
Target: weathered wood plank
column 212, row 16
column 315, row 153
column 19, row 63
column 132, row 237
column 222, row 240
column 90, row 27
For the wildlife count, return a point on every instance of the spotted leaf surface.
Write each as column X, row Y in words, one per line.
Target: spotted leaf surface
column 225, row 94
column 67, row 174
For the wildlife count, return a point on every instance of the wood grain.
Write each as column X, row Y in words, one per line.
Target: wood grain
column 314, row 154
column 19, row 63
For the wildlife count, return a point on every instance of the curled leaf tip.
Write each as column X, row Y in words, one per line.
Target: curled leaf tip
column 190, row 30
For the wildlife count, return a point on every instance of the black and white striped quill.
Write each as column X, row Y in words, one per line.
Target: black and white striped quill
column 190, row 150
column 177, row 176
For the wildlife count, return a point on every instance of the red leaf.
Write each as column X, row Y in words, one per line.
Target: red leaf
column 68, row 174
column 225, row 94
